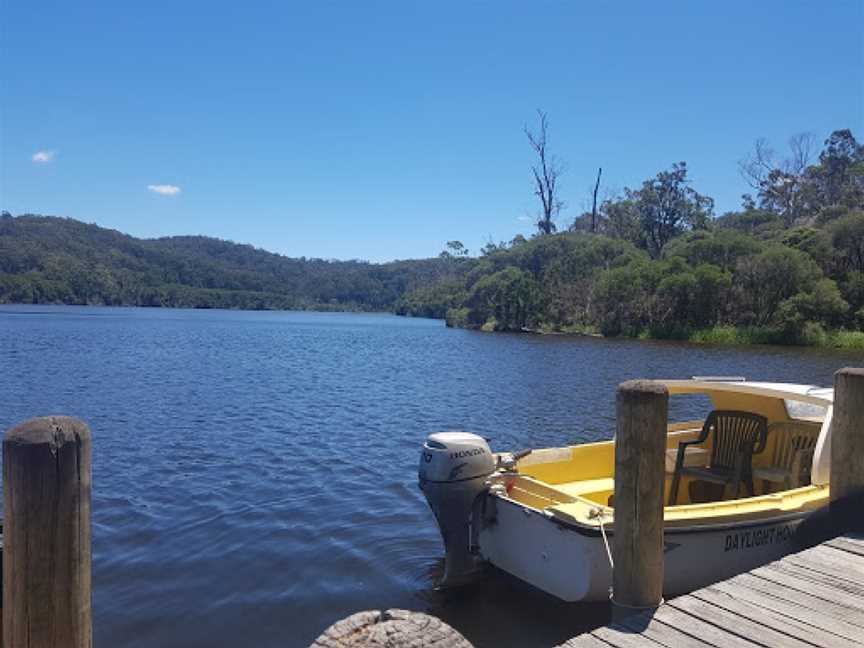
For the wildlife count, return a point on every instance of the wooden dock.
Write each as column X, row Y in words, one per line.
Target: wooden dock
column 811, row 598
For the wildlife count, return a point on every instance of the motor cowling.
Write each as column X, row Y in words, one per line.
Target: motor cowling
column 454, row 467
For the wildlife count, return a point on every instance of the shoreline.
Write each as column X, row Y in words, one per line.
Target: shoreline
column 729, row 336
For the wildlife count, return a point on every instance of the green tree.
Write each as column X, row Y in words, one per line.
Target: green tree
column 455, row 250
column 765, row 280
column 823, row 304
column 847, row 236
column 722, row 248
column 674, row 304
column 853, row 290
column 711, row 298
column 620, row 218
column 621, row 300
column 751, row 221
column 503, row 301
column 667, row 206
column 840, row 174
column 814, row 242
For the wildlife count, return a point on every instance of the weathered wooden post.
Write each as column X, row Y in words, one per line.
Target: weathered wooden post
column 390, row 629
column 637, row 545
column 46, row 553
column 847, row 451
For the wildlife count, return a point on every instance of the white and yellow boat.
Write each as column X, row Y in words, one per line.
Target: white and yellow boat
column 547, row 516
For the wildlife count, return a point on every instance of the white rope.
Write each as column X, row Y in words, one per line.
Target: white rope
column 598, row 514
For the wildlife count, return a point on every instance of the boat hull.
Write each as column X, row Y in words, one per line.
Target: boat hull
column 571, row 562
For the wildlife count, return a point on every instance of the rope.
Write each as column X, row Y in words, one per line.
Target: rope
column 598, row 514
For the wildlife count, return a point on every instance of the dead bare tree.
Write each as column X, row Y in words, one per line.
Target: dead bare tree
column 757, row 166
column 594, row 201
column 779, row 183
column 801, row 148
column 546, row 175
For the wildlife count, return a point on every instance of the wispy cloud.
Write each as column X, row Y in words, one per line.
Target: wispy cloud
column 43, row 157
column 524, row 219
column 164, row 190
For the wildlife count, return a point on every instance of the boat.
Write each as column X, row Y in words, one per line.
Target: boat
column 546, row 516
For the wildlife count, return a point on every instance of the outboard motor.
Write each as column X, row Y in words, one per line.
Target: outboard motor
column 454, row 467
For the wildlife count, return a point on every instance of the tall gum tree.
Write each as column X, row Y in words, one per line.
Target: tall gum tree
column 667, row 206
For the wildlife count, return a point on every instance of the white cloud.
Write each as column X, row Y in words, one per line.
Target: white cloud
column 164, row 190
column 43, row 157
column 524, row 219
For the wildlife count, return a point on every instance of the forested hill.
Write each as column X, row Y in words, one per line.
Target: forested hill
column 60, row 260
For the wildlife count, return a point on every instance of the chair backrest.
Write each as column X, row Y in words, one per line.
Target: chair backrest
column 735, row 432
column 791, row 438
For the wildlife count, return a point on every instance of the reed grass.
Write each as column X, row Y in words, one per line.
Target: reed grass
column 810, row 335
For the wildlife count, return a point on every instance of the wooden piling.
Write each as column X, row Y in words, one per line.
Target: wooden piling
column 390, row 629
column 46, row 553
column 637, row 545
column 847, row 451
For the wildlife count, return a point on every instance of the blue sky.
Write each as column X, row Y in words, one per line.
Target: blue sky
column 380, row 130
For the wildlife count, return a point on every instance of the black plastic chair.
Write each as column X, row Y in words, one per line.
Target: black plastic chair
column 737, row 437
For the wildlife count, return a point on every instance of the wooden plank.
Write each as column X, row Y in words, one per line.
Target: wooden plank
column 664, row 634
column 842, row 544
column 809, row 586
column 696, row 627
column 776, row 573
column 851, row 563
column 803, row 599
column 623, row 637
column 584, row 641
column 755, row 632
column 852, row 538
column 808, row 624
column 816, row 576
column 770, row 619
column 838, row 568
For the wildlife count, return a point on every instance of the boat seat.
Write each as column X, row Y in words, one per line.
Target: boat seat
column 795, row 443
column 736, row 437
column 586, row 486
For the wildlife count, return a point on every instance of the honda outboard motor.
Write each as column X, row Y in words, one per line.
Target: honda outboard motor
column 454, row 467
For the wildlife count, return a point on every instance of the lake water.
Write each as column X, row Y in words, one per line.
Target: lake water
column 255, row 473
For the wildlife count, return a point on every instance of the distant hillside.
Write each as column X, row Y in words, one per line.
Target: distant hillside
column 64, row 261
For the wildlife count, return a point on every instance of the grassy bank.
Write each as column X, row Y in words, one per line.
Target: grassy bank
column 810, row 335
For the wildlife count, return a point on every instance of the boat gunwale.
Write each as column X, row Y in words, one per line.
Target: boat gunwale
column 593, row 530
column 810, row 497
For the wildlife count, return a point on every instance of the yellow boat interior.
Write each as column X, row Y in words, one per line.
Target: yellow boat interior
column 576, row 483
